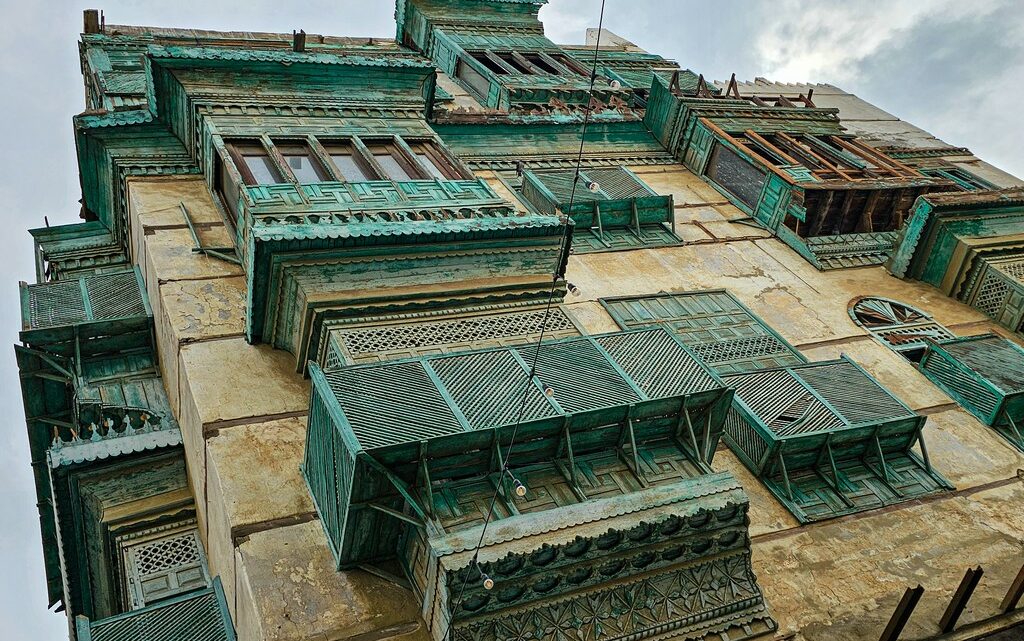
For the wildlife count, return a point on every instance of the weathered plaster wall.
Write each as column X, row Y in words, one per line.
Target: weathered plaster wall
column 242, row 413
column 242, row 407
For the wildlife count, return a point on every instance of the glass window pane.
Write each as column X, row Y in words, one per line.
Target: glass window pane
column 303, row 167
column 262, row 169
column 433, row 170
column 391, row 166
column 348, row 167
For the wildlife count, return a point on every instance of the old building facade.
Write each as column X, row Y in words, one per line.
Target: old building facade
column 470, row 335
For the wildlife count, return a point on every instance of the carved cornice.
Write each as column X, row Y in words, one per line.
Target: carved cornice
column 692, row 602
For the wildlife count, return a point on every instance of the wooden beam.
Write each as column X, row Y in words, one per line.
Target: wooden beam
column 819, row 223
column 395, row 513
column 738, row 147
column 509, row 69
column 844, row 214
column 867, row 221
column 91, row 21
column 693, row 435
column 785, row 475
column 521, row 59
column 817, row 156
column 764, row 142
column 399, row 485
column 708, row 449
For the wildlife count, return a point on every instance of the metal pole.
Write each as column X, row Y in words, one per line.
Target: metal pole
column 960, row 599
column 902, row 614
column 1014, row 594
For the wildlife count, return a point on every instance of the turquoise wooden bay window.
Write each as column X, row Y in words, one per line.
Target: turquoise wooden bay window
column 825, row 438
column 612, row 208
column 793, row 168
column 984, row 374
column 828, row 440
column 198, row 615
column 403, row 458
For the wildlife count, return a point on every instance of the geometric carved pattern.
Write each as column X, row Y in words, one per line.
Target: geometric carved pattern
column 690, row 601
column 992, row 294
column 165, row 567
column 1014, row 268
column 387, row 342
column 166, row 553
column 900, row 326
column 368, row 195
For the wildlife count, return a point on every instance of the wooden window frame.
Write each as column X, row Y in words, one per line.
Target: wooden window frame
column 399, row 151
column 490, row 61
column 404, row 153
column 236, row 152
column 221, row 170
column 475, row 81
column 437, row 156
column 332, row 146
column 285, row 146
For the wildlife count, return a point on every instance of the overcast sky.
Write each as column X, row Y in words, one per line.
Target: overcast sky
column 953, row 68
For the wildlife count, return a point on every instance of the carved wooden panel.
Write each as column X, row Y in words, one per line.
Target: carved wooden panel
column 717, row 327
column 163, row 567
column 385, row 341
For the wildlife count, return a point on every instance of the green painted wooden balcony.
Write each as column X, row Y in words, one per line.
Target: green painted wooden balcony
column 311, row 247
column 794, row 169
column 984, row 374
column 90, row 384
column 196, row 616
column 619, row 210
column 613, row 452
column 88, row 315
column 828, row 440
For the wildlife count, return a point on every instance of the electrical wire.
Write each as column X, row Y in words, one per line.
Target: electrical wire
column 543, row 329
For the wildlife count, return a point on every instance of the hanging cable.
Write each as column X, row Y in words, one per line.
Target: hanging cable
column 520, row 489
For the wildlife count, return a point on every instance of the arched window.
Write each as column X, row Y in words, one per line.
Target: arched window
column 900, row 326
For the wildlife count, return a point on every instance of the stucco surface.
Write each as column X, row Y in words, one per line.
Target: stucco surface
column 240, row 410
column 298, row 594
column 841, row 580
